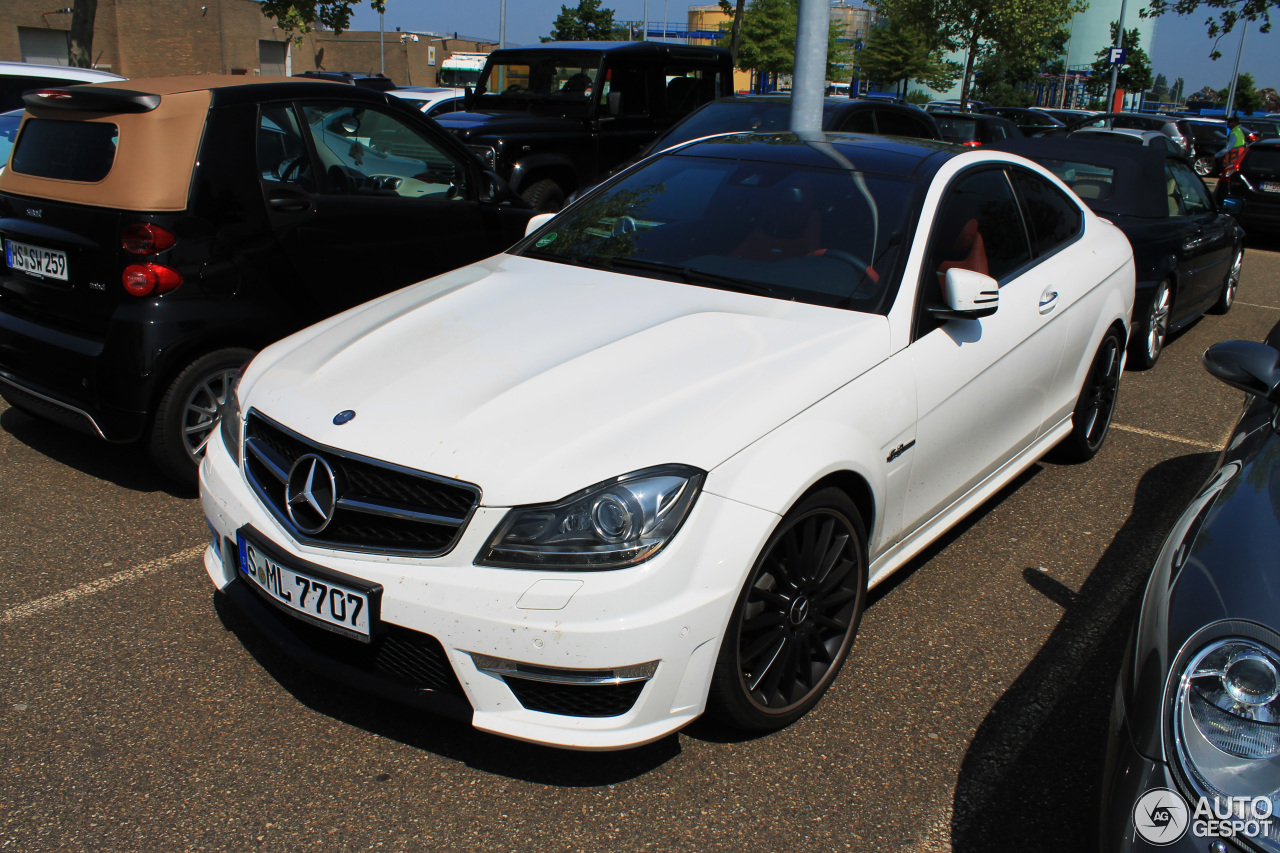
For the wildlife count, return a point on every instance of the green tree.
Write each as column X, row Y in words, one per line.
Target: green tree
column 769, row 39
column 1247, row 99
column 298, row 17
column 1231, row 13
column 1004, row 75
column 899, row 51
column 1135, row 74
column 1175, row 94
column 737, row 8
column 588, row 22
column 1160, row 88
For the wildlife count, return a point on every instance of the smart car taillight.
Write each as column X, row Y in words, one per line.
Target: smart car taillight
column 143, row 239
column 146, row 279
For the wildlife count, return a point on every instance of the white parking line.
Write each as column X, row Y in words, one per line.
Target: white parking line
column 58, row 599
column 1256, row 305
column 1192, row 441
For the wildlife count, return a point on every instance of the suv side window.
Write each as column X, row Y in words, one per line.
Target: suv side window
column 897, row 124
column 282, row 151
column 364, row 151
column 862, row 121
column 687, row 88
column 1053, row 219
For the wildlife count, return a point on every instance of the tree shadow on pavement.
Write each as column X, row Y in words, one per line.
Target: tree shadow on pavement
column 1030, row 779
column 456, row 741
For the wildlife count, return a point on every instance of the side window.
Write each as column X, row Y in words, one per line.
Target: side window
column 1053, row 219
column 897, row 124
column 687, row 88
column 1195, row 199
column 282, row 151
column 365, row 151
column 860, row 122
column 630, row 84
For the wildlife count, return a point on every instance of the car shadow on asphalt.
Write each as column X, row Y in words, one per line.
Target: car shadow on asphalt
column 1031, row 777
column 123, row 465
column 447, row 738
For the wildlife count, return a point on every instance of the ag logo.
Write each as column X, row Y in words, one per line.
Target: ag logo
column 1161, row 816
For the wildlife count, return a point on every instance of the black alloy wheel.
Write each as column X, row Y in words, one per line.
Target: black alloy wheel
column 1153, row 330
column 1097, row 401
column 187, row 417
column 1227, row 297
column 796, row 618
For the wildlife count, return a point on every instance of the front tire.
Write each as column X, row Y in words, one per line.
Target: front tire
column 1097, row 402
column 1227, row 297
column 1153, row 329
column 187, row 416
column 796, row 617
column 545, row 196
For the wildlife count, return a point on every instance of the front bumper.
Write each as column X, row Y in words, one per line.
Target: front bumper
column 671, row 609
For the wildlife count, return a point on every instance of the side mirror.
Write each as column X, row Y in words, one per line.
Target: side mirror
column 536, row 222
column 1232, row 205
column 1251, row 367
column 967, row 295
column 615, row 103
column 496, row 190
column 468, row 97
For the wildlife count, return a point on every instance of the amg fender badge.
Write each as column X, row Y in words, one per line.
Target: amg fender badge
column 900, row 449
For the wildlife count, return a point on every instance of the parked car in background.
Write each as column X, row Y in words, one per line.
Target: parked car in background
column 1149, row 138
column 432, row 102
column 1175, row 128
column 554, row 118
column 1029, row 121
column 1262, row 127
column 377, row 82
column 1187, row 249
column 1067, row 116
column 1193, row 729
column 953, row 106
column 19, row 77
column 159, row 232
column 975, row 129
column 1208, row 137
column 772, row 114
column 450, row 498
column 1256, row 183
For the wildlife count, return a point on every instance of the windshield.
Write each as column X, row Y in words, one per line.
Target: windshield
column 564, row 83
column 825, row 236
column 459, row 77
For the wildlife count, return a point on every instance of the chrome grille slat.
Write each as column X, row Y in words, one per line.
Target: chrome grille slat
column 381, row 508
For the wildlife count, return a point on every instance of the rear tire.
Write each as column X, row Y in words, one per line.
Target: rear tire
column 1152, row 331
column 795, row 619
column 1227, row 297
column 1096, row 403
column 187, row 416
column 545, row 196
column 1204, row 165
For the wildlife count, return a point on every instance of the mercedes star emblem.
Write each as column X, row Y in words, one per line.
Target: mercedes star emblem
column 343, row 417
column 311, row 494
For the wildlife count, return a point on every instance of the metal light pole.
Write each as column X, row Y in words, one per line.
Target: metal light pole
column 1115, row 69
column 502, row 24
column 382, row 47
column 813, row 25
column 664, row 20
column 644, row 33
column 1235, row 72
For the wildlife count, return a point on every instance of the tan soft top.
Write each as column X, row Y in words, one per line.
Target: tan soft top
column 155, row 151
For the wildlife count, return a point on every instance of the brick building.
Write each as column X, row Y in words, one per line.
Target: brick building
column 160, row 38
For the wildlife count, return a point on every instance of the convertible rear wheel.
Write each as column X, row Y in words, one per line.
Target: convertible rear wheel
column 1228, row 295
column 1153, row 328
column 796, row 618
column 187, row 416
column 1097, row 401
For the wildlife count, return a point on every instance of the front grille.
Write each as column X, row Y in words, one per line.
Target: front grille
column 576, row 700
column 381, row 508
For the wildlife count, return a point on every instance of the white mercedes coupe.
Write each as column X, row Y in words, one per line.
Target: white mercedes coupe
column 647, row 463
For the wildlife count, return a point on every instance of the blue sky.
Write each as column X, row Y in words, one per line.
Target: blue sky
column 1181, row 47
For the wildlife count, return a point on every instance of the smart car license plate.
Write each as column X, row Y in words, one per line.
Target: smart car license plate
column 46, row 263
column 313, row 595
column 1271, row 186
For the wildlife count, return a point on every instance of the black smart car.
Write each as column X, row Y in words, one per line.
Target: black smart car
column 1187, row 248
column 1193, row 758
column 159, row 232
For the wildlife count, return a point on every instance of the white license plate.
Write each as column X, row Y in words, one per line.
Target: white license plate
column 46, row 263
column 1271, row 186
column 321, row 601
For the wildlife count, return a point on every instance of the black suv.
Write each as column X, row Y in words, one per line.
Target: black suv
column 556, row 117
column 158, row 232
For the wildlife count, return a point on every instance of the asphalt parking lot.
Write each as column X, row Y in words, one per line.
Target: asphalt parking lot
column 138, row 712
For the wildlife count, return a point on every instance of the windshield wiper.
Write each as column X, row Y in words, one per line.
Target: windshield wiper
column 693, row 276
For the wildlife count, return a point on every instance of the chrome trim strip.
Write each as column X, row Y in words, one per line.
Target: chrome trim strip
column 268, row 456
column 10, row 379
column 393, row 511
column 586, row 677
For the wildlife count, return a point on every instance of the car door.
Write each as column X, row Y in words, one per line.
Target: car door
column 1206, row 240
column 982, row 384
column 365, row 200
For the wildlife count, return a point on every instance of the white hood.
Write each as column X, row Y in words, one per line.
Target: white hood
column 534, row 379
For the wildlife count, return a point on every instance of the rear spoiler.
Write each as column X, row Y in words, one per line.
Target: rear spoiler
column 90, row 99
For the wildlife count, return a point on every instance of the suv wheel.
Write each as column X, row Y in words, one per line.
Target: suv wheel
column 1204, row 165
column 187, row 416
column 546, row 196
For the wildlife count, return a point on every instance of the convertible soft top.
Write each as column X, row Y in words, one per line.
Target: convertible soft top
column 1120, row 180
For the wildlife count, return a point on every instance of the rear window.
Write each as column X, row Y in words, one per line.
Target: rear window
column 1262, row 160
column 66, row 150
column 958, row 129
column 1090, row 181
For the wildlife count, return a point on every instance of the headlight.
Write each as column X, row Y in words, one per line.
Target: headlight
column 615, row 524
column 229, row 419
column 487, row 154
column 1227, row 727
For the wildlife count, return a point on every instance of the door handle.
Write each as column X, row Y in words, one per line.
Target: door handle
column 1048, row 301
column 289, row 204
